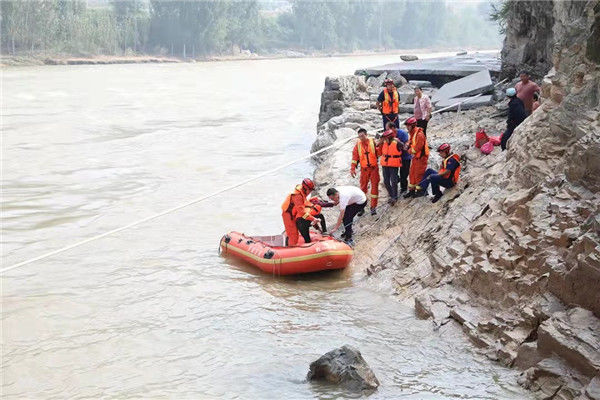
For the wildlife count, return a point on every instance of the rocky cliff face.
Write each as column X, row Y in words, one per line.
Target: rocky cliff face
column 513, row 252
column 529, row 37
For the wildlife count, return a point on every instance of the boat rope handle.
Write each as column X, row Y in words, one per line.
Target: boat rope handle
column 335, row 146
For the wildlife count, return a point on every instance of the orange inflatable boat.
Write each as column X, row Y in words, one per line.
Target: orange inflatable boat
column 270, row 255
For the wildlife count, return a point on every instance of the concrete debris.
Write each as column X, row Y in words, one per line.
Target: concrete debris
column 467, row 103
column 477, row 83
column 439, row 70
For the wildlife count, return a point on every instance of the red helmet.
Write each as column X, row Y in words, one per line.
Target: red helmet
column 444, row 147
column 410, row 121
column 388, row 133
column 308, row 183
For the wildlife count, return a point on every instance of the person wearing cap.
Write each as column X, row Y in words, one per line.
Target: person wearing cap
column 422, row 108
column 366, row 153
column 419, row 149
column 391, row 161
column 388, row 102
column 446, row 177
column 292, row 208
column 351, row 201
column 516, row 115
column 525, row 90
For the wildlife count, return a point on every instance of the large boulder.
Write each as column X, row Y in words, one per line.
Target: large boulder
column 346, row 367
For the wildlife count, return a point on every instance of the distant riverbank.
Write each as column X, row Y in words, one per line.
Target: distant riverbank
column 44, row 59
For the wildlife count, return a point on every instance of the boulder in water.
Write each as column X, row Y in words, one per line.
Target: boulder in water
column 408, row 57
column 346, row 367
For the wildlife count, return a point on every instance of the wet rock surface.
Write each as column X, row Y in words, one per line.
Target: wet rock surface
column 346, row 367
column 512, row 253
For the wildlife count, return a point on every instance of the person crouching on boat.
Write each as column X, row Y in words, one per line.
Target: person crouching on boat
column 310, row 215
column 293, row 203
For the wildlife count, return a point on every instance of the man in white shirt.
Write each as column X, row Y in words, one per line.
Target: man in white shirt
column 351, row 201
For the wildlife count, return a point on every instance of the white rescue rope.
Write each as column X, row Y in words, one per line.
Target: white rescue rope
column 170, row 210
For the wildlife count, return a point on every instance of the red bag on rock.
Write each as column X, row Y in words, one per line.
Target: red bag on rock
column 495, row 140
column 487, row 148
column 480, row 138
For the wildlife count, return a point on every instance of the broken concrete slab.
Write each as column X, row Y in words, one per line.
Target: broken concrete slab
column 469, row 102
column 439, row 70
column 474, row 84
column 421, row 84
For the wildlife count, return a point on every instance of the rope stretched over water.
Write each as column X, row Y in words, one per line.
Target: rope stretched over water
column 173, row 209
column 202, row 198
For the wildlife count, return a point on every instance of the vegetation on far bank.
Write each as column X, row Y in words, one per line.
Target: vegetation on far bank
column 200, row 28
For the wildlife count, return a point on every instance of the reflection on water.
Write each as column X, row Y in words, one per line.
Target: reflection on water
column 154, row 311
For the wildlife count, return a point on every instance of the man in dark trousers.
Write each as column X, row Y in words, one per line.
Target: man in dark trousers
column 446, row 177
column 351, row 201
column 516, row 115
column 388, row 102
column 402, row 137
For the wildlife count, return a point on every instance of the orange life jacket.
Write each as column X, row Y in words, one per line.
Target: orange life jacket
column 311, row 210
column 287, row 205
column 367, row 157
column 390, row 156
column 413, row 143
column 390, row 106
column 456, row 171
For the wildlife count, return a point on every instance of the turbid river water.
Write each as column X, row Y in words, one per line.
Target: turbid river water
column 154, row 311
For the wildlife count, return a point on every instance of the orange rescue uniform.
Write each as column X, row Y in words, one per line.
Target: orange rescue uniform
column 420, row 152
column 366, row 155
column 291, row 207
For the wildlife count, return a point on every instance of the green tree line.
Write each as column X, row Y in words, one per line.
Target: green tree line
column 195, row 28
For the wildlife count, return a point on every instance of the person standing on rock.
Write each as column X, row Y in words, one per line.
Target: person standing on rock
column 446, row 177
column 388, row 102
column 419, row 149
column 351, row 201
column 294, row 202
column 516, row 115
column 391, row 161
column 422, row 109
column 402, row 137
column 525, row 90
column 366, row 153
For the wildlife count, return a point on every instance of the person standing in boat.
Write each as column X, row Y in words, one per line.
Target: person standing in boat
column 293, row 202
column 351, row 201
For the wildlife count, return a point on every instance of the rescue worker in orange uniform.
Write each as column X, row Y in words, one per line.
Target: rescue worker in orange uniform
column 387, row 103
column 419, row 149
column 310, row 214
column 446, row 177
column 366, row 154
column 293, row 203
column 391, row 161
